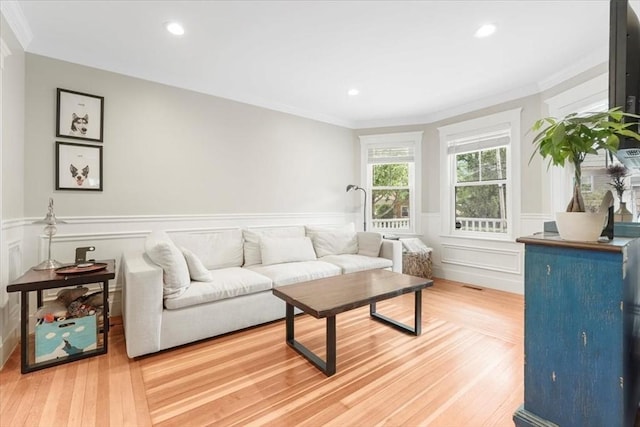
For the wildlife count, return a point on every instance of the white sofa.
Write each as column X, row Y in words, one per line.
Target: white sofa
column 192, row 286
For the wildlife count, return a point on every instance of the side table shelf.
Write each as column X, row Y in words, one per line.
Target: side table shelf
column 37, row 281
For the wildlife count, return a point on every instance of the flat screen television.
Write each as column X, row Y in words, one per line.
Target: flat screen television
column 624, row 72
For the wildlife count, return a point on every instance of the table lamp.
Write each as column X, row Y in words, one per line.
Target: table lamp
column 49, row 230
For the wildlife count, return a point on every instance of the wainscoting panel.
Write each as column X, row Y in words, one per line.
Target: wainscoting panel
column 502, row 260
column 487, row 263
column 12, row 254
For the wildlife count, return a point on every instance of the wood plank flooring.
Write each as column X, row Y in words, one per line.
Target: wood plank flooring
column 466, row 369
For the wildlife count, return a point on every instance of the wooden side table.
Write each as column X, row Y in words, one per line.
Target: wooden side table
column 37, row 281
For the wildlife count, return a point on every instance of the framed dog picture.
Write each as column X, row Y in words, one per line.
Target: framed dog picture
column 78, row 167
column 79, row 115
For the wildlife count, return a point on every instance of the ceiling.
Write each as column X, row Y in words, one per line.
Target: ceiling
column 413, row 62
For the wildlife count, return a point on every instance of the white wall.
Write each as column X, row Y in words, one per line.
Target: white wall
column 173, row 151
column 12, row 68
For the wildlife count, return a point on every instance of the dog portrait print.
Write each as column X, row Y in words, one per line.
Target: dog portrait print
column 79, row 116
column 78, row 166
column 79, row 125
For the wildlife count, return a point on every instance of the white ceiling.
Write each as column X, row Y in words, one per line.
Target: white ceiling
column 413, row 62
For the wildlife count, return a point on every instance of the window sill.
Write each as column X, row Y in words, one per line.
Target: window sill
column 485, row 238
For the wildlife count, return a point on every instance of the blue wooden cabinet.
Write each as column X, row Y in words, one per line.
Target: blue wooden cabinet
column 582, row 328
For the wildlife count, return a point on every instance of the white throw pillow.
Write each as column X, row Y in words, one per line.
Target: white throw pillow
column 252, row 255
column 415, row 245
column 163, row 252
column 216, row 249
column 197, row 270
column 345, row 228
column 276, row 250
column 369, row 243
column 335, row 243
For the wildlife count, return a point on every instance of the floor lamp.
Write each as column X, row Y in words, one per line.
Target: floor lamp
column 355, row 187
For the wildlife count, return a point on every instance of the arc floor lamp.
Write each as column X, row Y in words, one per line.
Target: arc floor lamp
column 364, row 209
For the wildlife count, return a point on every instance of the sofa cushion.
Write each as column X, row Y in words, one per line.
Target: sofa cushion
column 163, row 252
column 369, row 243
column 276, row 250
column 350, row 263
column 252, row 255
column 313, row 229
column 225, row 283
column 295, row 272
column 335, row 243
column 197, row 271
column 216, row 249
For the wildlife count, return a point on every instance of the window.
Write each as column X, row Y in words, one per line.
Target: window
column 589, row 96
column 391, row 169
column 477, row 196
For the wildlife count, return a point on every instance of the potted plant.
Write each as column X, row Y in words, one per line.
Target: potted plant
column 617, row 173
column 569, row 140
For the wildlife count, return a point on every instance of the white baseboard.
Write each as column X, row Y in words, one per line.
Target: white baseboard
column 513, row 285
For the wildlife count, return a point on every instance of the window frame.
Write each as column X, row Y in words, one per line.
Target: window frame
column 394, row 140
column 506, row 122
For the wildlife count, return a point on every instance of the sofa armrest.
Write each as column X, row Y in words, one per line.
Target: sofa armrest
column 392, row 249
column 142, row 304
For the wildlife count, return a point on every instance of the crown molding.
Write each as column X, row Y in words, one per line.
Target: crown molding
column 457, row 110
column 596, row 57
column 12, row 12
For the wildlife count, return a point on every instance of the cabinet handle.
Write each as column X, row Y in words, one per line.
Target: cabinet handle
column 548, row 270
column 553, row 376
column 584, row 339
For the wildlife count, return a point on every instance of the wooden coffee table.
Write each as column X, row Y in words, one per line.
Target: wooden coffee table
column 333, row 295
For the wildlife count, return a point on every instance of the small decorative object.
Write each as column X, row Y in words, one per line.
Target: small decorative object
column 79, row 115
column 364, row 212
column 78, row 167
column 49, row 230
column 81, row 256
column 618, row 173
column 569, row 140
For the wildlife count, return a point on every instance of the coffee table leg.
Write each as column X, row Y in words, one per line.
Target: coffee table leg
column 331, row 346
column 328, row 367
column 417, row 325
column 289, row 320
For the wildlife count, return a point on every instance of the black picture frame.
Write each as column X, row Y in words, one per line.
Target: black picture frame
column 79, row 115
column 78, row 166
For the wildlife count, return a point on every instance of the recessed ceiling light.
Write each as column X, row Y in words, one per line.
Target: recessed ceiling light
column 485, row 31
column 353, row 92
column 175, row 28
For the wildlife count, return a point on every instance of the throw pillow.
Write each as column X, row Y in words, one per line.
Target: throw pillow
column 163, row 252
column 276, row 250
column 215, row 249
column 252, row 254
column 335, row 243
column 197, row 271
column 369, row 243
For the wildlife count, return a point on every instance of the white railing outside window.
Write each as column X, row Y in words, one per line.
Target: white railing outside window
column 484, row 225
column 392, row 224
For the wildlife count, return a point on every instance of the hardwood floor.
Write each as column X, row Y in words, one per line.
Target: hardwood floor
column 466, row 369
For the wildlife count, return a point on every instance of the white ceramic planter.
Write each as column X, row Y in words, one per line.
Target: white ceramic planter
column 580, row 226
